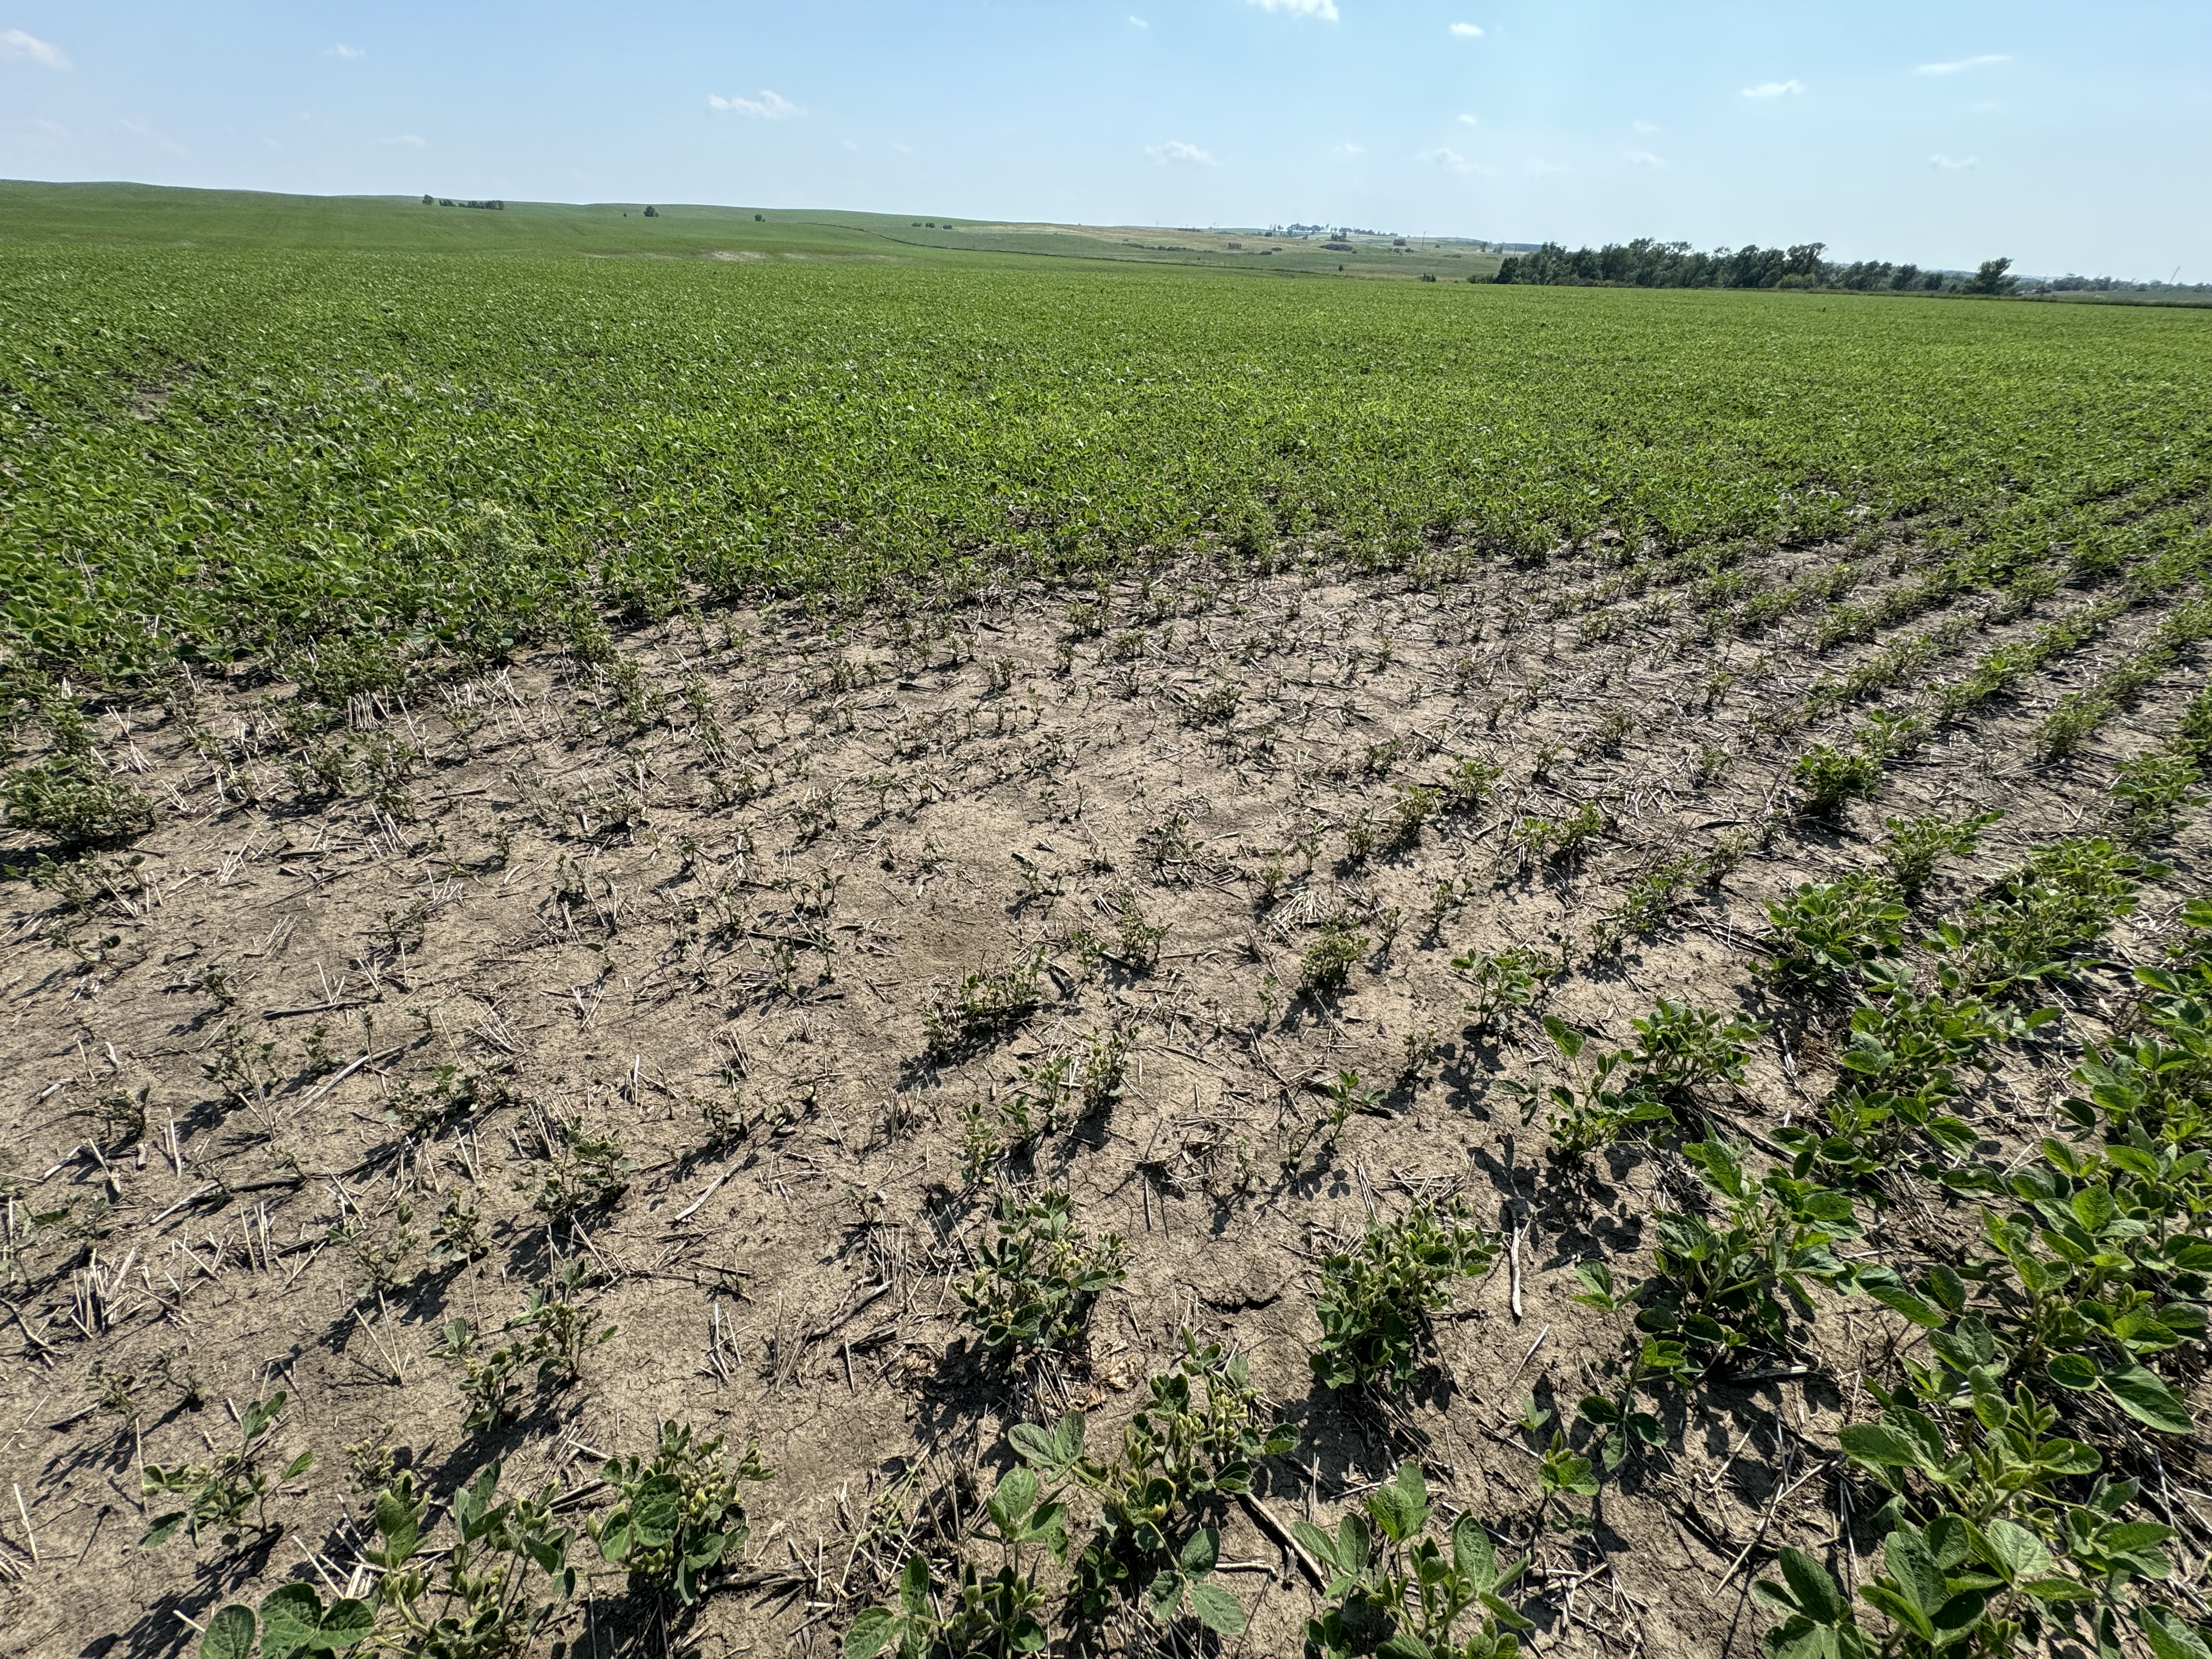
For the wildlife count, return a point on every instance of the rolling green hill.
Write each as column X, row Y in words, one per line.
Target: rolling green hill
column 163, row 215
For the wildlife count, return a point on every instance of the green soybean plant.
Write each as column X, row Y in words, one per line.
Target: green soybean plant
column 1828, row 779
column 1377, row 1297
column 292, row 1623
column 501, row 1578
column 1395, row 1589
column 1598, row 1103
column 1038, row 1278
column 994, row 1616
column 218, row 1495
column 679, row 1514
column 1186, row 1452
column 1825, row 932
column 1724, row 1287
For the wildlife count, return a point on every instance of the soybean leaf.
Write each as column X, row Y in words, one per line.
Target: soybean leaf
column 2145, row 1398
column 1217, row 1609
column 230, row 1634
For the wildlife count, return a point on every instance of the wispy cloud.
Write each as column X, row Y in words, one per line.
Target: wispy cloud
column 1467, row 30
column 1646, row 128
column 1980, row 61
column 1467, row 121
column 1949, row 164
column 1347, row 148
column 342, row 49
column 1540, row 169
column 1449, row 159
column 1176, row 151
column 1324, row 9
column 1775, row 89
column 13, row 43
column 152, row 134
column 407, row 140
column 768, row 106
column 1642, row 158
column 1136, row 22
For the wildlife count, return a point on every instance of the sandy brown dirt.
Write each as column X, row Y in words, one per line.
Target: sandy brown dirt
column 703, row 897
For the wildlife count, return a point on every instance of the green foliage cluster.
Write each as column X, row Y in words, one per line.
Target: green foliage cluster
column 551, row 1332
column 218, row 1495
column 1393, row 1588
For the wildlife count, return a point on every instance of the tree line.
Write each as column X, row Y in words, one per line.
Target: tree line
column 1645, row 263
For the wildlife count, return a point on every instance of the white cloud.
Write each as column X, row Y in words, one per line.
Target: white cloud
column 1348, row 147
column 152, row 134
column 1176, row 151
column 1467, row 30
column 1646, row 128
column 412, row 141
column 903, row 150
column 1775, row 89
column 1137, row 22
column 1979, row 61
column 1540, row 169
column 13, row 43
column 342, row 49
column 1642, row 158
column 1468, row 121
column 768, row 106
column 1948, row 165
column 1324, row 9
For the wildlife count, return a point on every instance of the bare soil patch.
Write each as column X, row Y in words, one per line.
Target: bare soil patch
column 363, row 1001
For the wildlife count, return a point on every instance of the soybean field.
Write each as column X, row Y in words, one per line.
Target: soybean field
column 801, row 939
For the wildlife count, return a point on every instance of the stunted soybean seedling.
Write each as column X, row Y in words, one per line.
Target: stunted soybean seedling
column 1377, row 1297
column 1038, row 1278
column 217, row 1495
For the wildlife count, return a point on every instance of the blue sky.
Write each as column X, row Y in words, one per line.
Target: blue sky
column 1942, row 132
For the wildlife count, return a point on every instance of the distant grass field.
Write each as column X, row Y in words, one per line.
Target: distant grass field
column 158, row 216
column 224, row 451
